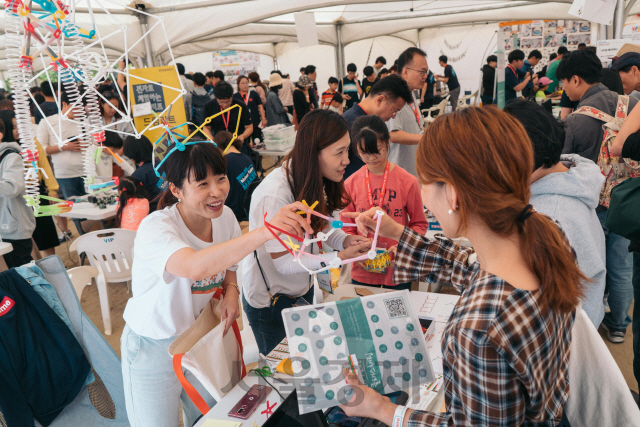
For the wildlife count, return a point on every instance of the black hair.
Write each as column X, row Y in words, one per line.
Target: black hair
column 352, row 67
column 303, row 69
column 188, row 77
column 199, row 79
column 35, row 89
column 381, row 60
column 545, row 131
column 553, row 56
column 535, row 54
column 383, row 71
column 38, row 98
column 129, row 188
column 393, row 68
column 492, row 58
column 337, row 98
column 180, row 68
column 562, row 50
column 515, row 55
column 581, row 45
column 627, row 68
column 333, row 80
column 223, row 90
column 209, row 74
column 393, row 87
column 443, row 58
column 366, row 131
column 218, row 75
column 112, row 140
column 309, row 69
column 406, row 57
column 367, row 71
column 582, row 63
column 196, row 162
column 138, row 150
column 222, row 139
column 47, row 88
column 611, row 79
column 6, row 119
column 64, row 98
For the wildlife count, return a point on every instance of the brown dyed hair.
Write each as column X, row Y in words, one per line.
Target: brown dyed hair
column 318, row 130
column 486, row 155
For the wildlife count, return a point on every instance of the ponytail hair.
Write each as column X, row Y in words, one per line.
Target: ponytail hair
column 486, row 155
column 129, row 188
column 366, row 131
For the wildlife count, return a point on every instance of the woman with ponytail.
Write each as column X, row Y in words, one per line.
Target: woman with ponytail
column 506, row 345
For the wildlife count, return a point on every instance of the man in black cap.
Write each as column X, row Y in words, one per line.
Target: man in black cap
column 627, row 66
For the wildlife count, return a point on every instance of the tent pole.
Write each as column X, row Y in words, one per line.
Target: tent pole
column 275, row 57
column 339, row 53
column 147, row 43
column 619, row 17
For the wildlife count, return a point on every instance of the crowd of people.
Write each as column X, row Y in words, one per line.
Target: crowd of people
column 524, row 187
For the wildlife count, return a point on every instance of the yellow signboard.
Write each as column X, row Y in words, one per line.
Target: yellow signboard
column 159, row 86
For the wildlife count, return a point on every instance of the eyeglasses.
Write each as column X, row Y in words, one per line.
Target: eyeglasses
column 423, row 73
column 395, row 112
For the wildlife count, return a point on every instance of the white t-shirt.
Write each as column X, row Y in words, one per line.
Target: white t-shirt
column 164, row 305
column 272, row 194
column 66, row 164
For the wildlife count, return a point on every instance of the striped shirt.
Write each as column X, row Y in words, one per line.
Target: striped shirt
column 325, row 100
column 505, row 359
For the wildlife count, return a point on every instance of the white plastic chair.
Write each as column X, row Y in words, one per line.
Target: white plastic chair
column 81, row 277
column 462, row 102
column 111, row 253
column 427, row 112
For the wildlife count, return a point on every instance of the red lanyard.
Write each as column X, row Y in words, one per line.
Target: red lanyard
column 365, row 111
column 384, row 184
column 415, row 112
column 225, row 121
column 245, row 98
column 514, row 72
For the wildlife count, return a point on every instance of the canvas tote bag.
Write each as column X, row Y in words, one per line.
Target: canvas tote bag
column 214, row 359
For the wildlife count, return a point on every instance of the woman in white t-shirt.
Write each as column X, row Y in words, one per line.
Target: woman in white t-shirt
column 313, row 171
column 182, row 254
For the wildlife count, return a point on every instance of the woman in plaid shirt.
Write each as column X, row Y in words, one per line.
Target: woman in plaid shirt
column 506, row 345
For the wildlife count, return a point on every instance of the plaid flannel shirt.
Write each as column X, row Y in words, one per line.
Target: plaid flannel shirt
column 505, row 359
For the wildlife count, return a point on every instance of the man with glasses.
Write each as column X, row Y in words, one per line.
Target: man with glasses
column 407, row 127
column 451, row 79
column 385, row 100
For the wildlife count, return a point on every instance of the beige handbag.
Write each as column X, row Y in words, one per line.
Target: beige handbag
column 214, row 359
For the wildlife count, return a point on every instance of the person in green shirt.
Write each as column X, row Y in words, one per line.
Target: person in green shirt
column 551, row 69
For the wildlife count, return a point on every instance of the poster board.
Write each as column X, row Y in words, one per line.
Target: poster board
column 607, row 49
column 234, row 63
column 544, row 35
column 159, row 86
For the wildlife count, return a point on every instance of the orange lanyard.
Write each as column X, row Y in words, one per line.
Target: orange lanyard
column 225, row 120
column 514, row 72
column 416, row 113
column 384, row 184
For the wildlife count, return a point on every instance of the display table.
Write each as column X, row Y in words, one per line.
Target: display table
column 280, row 154
column 220, row 411
column 93, row 213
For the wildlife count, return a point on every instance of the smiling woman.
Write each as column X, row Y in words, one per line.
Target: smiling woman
column 312, row 172
column 183, row 253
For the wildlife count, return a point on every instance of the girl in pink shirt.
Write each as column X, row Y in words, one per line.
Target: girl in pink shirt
column 385, row 185
column 133, row 203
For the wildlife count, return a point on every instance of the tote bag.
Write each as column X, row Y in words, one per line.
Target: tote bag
column 214, row 359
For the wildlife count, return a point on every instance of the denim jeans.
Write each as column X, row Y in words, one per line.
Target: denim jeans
column 267, row 330
column 70, row 187
column 619, row 271
column 152, row 391
column 636, row 316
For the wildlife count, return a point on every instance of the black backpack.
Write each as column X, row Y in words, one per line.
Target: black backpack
column 197, row 107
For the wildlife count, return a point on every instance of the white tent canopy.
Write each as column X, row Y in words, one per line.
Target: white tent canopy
column 362, row 29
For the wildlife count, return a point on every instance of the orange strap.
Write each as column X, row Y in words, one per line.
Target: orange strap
column 193, row 394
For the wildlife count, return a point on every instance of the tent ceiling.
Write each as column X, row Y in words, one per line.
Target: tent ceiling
column 205, row 25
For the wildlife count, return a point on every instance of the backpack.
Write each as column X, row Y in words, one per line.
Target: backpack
column 615, row 169
column 197, row 107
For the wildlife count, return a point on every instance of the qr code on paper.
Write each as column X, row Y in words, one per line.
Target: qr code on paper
column 395, row 307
